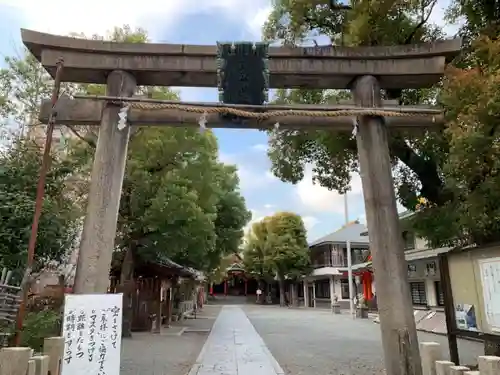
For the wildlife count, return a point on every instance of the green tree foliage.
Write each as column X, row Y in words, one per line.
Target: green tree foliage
column 19, row 170
column 278, row 246
column 432, row 165
column 255, row 254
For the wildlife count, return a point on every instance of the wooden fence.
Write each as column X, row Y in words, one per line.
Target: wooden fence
column 433, row 363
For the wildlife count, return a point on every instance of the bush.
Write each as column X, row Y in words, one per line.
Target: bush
column 39, row 325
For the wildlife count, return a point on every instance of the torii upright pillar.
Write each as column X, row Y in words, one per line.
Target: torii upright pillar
column 99, row 230
column 399, row 334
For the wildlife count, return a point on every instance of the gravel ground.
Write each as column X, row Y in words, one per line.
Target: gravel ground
column 168, row 353
column 308, row 342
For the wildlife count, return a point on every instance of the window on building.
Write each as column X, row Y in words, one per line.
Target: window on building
column 409, row 240
column 418, row 295
column 323, row 289
column 344, row 289
column 439, row 293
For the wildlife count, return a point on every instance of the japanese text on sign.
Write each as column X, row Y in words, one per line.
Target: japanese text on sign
column 92, row 334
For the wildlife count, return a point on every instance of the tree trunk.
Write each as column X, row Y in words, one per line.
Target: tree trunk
column 126, row 286
column 295, row 294
column 281, row 283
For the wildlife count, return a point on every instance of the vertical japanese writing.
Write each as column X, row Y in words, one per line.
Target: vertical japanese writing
column 81, row 324
column 92, row 333
column 115, row 311
column 103, row 327
column 69, row 329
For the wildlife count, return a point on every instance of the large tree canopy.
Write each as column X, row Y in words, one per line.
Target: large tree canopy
column 423, row 163
column 277, row 247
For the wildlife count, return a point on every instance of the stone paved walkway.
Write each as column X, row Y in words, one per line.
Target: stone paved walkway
column 235, row 348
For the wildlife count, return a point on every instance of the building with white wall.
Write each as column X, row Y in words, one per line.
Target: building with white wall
column 423, row 268
column 329, row 261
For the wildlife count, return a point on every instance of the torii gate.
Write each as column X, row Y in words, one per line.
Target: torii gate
column 364, row 70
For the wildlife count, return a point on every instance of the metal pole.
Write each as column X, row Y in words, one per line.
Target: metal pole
column 349, row 259
column 40, row 191
column 349, row 276
column 346, row 209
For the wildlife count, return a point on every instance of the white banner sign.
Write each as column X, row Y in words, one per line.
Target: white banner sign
column 92, row 330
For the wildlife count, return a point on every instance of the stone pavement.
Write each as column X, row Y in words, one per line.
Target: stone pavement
column 235, row 348
column 172, row 352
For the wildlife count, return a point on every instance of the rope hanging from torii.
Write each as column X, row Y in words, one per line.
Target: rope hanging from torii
column 243, row 84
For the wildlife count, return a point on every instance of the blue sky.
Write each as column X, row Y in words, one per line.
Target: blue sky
column 197, row 22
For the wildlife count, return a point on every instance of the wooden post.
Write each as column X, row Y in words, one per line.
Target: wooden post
column 449, row 309
column 99, row 231
column 158, row 307
column 399, row 334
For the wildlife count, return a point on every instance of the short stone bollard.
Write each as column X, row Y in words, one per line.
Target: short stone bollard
column 458, row 370
column 335, row 308
column 488, row 365
column 430, row 352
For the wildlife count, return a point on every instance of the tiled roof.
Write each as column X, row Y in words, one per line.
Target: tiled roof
column 350, row 232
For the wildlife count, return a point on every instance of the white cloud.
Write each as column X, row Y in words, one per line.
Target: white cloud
column 250, row 177
column 319, row 199
column 309, row 222
column 259, row 147
column 256, row 22
column 97, row 16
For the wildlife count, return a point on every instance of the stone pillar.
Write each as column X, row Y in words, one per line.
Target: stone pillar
column 489, row 365
column 458, row 370
column 314, row 293
column 443, row 367
column 306, row 293
column 99, row 230
column 53, row 347
column 430, row 352
column 41, row 364
column 14, row 361
column 332, row 290
column 430, row 291
column 397, row 323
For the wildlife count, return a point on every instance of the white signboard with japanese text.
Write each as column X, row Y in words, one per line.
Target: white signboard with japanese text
column 92, row 331
column 490, row 277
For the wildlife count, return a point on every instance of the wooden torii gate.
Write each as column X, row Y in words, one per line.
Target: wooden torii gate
column 363, row 70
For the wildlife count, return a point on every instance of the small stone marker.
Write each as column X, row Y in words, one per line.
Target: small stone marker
column 41, row 364
column 14, row 361
column 458, row 370
column 442, row 367
column 430, row 353
column 488, row 365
